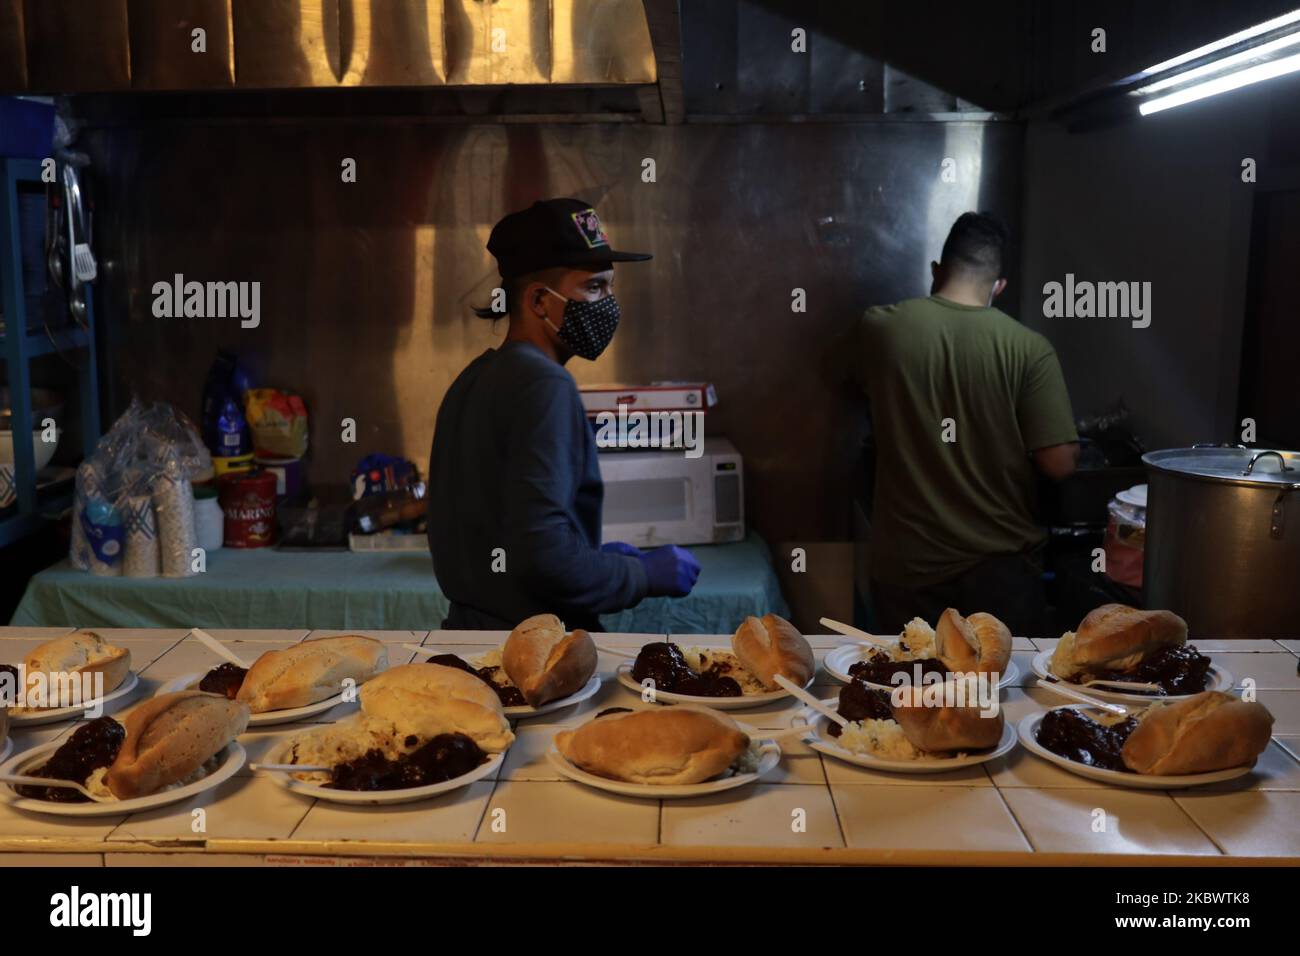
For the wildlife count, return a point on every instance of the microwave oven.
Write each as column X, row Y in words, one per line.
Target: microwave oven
column 660, row 497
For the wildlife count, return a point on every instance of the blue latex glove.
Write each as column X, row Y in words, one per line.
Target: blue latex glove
column 621, row 547
column 670, row 571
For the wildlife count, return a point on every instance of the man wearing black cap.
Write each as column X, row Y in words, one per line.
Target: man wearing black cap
column 514, row 482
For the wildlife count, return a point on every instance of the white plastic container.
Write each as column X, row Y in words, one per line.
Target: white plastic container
column 209, row 522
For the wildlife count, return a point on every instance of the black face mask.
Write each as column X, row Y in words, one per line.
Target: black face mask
column 587, row 327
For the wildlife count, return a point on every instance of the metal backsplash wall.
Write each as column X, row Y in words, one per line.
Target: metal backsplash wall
column 366, row 286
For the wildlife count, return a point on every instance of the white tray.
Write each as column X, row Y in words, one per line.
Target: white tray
column 53, row 715
column 1218, row 679
column 266, row 718
column 232, row 758
column 745, row 701
column 838, row 662
column 1028, row 730
column 769, row 757
column 376, row 797
column 822, row 743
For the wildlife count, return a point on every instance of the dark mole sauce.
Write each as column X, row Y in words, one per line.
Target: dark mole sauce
column 1077, row 737
column 92, row 745
column 663, row 663
column 510, row 696
column 1179, row 670
column 224, row 679
column 444, row 757
column 860, row 702
column 879, row 669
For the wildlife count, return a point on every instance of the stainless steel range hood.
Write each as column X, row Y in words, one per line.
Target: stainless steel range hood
column 76, row 46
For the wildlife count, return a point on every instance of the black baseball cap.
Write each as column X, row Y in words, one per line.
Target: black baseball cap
column 553, row 232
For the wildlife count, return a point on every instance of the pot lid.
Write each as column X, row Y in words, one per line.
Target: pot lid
column 1251, row 466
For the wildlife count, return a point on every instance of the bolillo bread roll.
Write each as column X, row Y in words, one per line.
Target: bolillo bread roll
column 939, row 729
column 430, row 699
column 771, row 645
column 544, row 662
column 667, row 745
column 1209, row 731
column 85, row 653
column 979, row 644
column 169, row 737
column 310, row 671
column 1115, row 637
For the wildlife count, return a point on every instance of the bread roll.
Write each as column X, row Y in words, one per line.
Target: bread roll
column 544, row 662
column 430, row 699
column 940, row 729
column 665, row 745
column 1209, row 731
column 979, row 644
column 85, row 653
column 1115, row 637
column 169, row 737
column 771, row 645
column 310, row 671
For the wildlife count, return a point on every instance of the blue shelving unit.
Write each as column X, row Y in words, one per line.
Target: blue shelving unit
column 20, row 346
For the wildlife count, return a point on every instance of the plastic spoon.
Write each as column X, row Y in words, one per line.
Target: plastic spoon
column 289, row 768
column 216, row 647
column 810, row 700
column 20, row 778
column 1084, row 698
column 860, row 636
column 1123, row 685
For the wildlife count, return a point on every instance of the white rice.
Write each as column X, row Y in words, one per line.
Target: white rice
column 884, row 739
column 349, row 739
column 96, row 784
column 747, row 762
column 918, row 638
column 700, row 659
column 493, row 659
column 879, row 738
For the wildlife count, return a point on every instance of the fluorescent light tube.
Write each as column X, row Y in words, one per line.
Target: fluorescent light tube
column 1222, row 84
column 1218, row 66
column 1200, row 51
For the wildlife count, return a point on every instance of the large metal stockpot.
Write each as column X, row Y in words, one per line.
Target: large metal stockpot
column 1223, row 539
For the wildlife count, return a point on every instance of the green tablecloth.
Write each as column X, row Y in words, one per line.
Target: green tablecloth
column 268, row 588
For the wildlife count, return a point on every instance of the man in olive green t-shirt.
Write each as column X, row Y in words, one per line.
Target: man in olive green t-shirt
column 965, row 404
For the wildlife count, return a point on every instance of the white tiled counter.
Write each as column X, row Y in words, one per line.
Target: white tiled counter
column 811, row 809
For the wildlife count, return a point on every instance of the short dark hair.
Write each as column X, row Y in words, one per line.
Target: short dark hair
column 512, row 287
column 975, row 244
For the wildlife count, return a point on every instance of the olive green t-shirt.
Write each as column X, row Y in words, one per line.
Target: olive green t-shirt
column 960, row 395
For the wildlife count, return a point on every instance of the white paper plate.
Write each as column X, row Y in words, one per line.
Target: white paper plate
column 589, row 690
column 1137, row 781
column 376, row 797
column 1219, row 679
column 624, row 674
column 53, row 715
column 838, row 662
column 826, row 744
column 769, row 757
column 232, row 758
column 265, row 719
